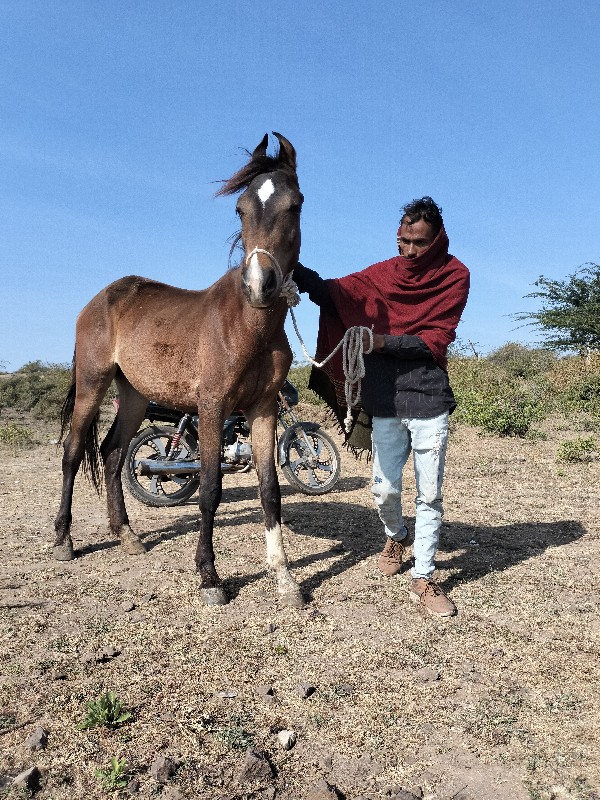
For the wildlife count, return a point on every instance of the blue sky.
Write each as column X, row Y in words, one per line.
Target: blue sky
column 117, row 118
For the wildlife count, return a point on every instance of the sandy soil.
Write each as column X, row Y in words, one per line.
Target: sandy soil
column 499, row 702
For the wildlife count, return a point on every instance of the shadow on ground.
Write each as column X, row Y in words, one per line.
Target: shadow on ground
column 474, row 551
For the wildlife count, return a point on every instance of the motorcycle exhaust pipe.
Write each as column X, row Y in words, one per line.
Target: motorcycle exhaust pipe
column 147, row 467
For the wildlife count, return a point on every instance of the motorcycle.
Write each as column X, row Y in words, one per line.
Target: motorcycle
column 162, row 464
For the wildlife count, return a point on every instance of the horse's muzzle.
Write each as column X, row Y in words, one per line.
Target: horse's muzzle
column 261, row 284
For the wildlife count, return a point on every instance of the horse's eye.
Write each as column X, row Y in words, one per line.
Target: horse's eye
column 239, row 212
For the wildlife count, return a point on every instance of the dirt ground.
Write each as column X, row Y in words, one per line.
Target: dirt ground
column 499, row 702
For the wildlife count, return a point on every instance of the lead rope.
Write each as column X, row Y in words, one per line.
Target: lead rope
column 353, row 363
column 353, row 352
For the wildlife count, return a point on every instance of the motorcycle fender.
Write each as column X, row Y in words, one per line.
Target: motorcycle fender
column 289, row 434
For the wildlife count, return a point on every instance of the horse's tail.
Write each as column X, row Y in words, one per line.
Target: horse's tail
column 92, row 463
column 66, row 411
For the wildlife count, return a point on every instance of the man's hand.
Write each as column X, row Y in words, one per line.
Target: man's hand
column 378, row 341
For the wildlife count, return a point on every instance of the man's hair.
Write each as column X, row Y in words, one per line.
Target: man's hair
column 426, row 209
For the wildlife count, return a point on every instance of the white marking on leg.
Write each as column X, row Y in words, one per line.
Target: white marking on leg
column 287, row 588
column 265, row 191
column 276, row 557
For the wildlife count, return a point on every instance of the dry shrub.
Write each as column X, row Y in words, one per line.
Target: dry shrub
column 515, row 386
column 574, row 383
column 582, row 449
column 15, row 437
column 494, row 399
column 37, row 388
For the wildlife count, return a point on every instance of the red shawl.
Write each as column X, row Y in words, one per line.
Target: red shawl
column 424, row 297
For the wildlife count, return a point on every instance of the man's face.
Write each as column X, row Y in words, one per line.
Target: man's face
column 414, row 239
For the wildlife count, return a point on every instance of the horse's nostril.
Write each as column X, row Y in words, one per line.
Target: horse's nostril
column 270, row 284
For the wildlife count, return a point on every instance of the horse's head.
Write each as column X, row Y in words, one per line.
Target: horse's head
column 269, row 211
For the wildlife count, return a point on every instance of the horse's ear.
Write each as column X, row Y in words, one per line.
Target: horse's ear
column 287, row 154
column 261, row 150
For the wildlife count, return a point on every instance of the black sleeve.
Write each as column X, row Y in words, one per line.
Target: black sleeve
column 406, row 346
column 309, row 281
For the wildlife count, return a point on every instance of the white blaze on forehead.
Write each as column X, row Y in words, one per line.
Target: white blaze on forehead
column 265, row 191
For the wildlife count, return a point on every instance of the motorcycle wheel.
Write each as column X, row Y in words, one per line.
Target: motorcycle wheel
column 312, row 474
column 154, row 442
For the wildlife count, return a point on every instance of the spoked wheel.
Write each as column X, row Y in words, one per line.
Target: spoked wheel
column 154, row 443
column 313, row 462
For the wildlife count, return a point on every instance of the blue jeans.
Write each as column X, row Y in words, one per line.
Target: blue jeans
column 393, row 439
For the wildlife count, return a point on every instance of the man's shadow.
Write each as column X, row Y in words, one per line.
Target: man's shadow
column 477, row 550
column 474, row 551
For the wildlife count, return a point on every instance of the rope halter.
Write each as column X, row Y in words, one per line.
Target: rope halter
column 289, row 290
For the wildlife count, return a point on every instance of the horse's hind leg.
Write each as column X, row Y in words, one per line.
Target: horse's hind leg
column 132, row 409
column 82, row 407
column 263, row 445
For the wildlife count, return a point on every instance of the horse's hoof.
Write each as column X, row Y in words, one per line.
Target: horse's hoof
column 133, row 547
column 214, row 597
column 292, row 599
column 63, row 552
column 132, row 544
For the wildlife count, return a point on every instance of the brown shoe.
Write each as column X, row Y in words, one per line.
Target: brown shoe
column 432, row 597
column 390, row 560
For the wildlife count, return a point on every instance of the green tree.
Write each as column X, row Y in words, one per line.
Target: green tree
column 570, row 314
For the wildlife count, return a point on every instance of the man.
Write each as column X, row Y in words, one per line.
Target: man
column 413, row 304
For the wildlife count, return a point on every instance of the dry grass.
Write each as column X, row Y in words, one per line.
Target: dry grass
column 513, row 713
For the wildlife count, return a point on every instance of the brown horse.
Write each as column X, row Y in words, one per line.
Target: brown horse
column 211, row 352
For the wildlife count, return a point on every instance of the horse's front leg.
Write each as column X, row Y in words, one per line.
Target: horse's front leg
column 210, row 428
column 263, row 446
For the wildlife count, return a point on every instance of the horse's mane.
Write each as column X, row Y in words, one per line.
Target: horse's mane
column 258, row 165
column 235, row 239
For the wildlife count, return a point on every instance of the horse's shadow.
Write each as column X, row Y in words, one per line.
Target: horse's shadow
column 468, row 552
